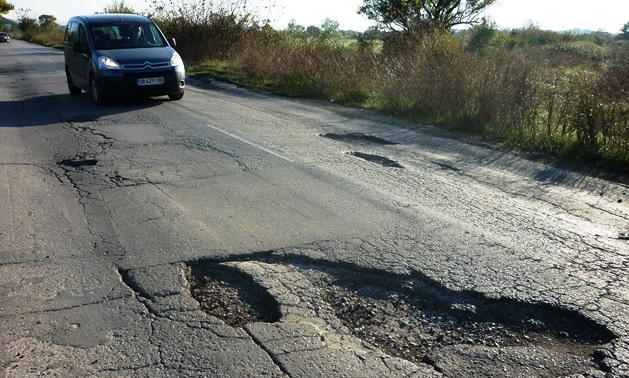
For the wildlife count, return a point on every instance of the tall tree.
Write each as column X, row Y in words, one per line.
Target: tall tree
column 421, row 15
column 330, row 29
column 295, row 30
column 47, row 22
column 5, row 7
column 624, row 32
column 26, row 21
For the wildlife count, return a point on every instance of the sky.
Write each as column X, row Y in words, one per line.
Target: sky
column 559, row 15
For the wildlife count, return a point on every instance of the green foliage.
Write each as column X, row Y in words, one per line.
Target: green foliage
column 430, row 81
column 313, row 31
column 481, row 36
column 119, row 7
column 329, row 29
column 53, row 38
column 42, row 30
column 6, row 24
column 624, row 32
column 205, row 30
column 26, row 21
column 420, row 15
column 295, row 30
column 533, row 36
column 47, row 23
column 5, row 7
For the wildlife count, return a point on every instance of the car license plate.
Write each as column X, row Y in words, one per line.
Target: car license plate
column 150, row 81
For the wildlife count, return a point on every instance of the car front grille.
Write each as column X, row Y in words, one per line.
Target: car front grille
column 146, row 66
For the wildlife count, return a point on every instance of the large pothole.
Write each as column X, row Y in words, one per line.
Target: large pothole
column 358, row 138
column 81, row 160
column 383, row 161
column 412, row 317
column 465, row 335
column 232, row 296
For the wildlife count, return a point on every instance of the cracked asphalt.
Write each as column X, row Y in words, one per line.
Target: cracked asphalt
column 133, row 234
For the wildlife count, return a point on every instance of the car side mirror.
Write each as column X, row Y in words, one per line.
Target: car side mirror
column 172, row 42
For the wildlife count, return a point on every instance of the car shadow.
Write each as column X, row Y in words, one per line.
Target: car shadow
column 52, row 109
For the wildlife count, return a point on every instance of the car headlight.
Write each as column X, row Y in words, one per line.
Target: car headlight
column 108, row 63
column 176, row 60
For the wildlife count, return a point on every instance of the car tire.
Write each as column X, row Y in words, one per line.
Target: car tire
column 96, row 91
column 74, row 90
column 176, row 96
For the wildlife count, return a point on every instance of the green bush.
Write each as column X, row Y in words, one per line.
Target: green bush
column 204, row 30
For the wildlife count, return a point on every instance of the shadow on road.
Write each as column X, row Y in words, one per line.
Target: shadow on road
column 51, row 109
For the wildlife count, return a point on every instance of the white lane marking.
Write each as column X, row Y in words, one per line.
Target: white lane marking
column 250, row 143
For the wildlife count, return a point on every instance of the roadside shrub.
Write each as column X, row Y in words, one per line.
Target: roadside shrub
column 204, row 30
column 318, row 67
column 48, row 38
column 434, row 79
column 44, row 38
column 601, row 119
column 508, row 97
column 581, row 51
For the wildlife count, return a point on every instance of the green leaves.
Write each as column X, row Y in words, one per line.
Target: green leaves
column 5, row 7
column 119, row 7
column 424, row 15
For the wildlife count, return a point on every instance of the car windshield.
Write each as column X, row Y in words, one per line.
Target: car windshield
column 126, row 36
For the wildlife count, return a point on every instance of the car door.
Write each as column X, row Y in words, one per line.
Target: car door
column 83, row 58
column 73, row 59
column 78, row 54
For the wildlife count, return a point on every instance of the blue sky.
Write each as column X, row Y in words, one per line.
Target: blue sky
column 606, row 15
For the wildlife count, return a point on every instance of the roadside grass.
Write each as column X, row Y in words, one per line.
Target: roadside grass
column 45, row 38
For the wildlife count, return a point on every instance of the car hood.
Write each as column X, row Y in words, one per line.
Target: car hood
column 139, row 56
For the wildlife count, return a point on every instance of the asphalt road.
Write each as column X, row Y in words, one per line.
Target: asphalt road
column 112, row 216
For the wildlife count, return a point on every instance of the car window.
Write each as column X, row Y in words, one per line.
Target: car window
column 126, row 36
column 83, row 38
column 72, row 33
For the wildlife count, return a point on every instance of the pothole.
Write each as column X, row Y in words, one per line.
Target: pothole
column 464, row 335
column 383, row 161
column 82, row 118
column 121, row 181
column 79, row 161
column 446, row 166
column 412, row 317
column 232, row 296
column 358, row 138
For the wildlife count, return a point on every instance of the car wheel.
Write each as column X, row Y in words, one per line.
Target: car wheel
column 96, row 91
column 71, row 87
column 176, row 96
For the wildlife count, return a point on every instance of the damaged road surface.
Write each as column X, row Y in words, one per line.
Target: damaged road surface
column 235, row 234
